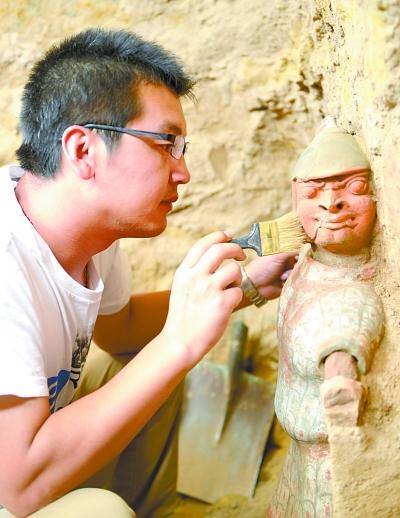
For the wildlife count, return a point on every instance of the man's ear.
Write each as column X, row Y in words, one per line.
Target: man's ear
column 78, row 146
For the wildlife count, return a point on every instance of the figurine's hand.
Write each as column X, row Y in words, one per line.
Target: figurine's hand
column 343, row 399
column 269, row 273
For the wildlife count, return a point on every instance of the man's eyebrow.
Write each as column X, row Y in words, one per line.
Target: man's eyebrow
column 170, row 127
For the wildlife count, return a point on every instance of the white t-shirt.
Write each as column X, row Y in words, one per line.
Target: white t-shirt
column 46, row 317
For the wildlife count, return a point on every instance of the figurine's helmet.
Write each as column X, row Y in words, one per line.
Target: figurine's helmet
column 332, row 152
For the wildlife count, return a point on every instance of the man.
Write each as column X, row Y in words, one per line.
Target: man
column 102, row 158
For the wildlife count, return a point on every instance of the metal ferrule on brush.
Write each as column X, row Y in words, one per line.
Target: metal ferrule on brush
column 251, row 240
column 269, row 236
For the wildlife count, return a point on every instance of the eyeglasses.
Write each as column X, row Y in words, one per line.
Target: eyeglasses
column 176, row 150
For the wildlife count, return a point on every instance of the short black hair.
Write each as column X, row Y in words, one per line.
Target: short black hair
column 90, row 77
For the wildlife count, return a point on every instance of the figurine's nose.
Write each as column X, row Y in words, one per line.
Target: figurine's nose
column 331, row 200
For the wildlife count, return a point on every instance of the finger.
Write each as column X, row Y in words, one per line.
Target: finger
column 199, row 248
column 290, row 261
column 233, row 296
column 285, row 260
column 229, row 275
column 285, row 275
column 214, row 256
column 285, row 257
column 267, row 268
column 272, row 291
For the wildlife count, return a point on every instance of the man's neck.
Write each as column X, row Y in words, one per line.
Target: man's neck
column 63, row 220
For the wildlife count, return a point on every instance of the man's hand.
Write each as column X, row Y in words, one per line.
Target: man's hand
column 342, row 395
column 203, row 296
column 270, row 272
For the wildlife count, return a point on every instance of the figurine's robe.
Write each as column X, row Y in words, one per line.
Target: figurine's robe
column 322, row 309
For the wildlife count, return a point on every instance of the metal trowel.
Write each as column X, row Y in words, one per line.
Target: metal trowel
column 226, row 418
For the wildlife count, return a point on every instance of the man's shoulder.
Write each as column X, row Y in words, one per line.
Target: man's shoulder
column 5, row 239
column 6, row 236
column 15, row 230
column 9, row 174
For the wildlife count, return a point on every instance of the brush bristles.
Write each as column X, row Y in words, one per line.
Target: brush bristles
column 291, row 233
column 284, row 234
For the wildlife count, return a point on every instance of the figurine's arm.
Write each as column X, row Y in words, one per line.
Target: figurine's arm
column 349, row 336
column 342, row 394
column 340, row 363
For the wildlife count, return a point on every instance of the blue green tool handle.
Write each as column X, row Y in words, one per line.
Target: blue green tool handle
column 235, row 362
column 235, row 366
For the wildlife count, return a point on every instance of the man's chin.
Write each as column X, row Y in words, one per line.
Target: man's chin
column 148, row 230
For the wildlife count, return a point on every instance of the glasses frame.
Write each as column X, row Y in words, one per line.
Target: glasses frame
column 176, row 151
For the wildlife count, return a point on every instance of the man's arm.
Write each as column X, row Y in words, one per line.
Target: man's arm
column 269, row 274
column 130, row 329
column 143, row 318
column 45, row 455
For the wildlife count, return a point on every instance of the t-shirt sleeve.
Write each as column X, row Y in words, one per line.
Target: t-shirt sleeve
column 22, row 370
column 114, row 270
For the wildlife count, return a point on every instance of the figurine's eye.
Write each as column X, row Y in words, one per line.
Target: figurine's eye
column 358, row 186
column 309, row 191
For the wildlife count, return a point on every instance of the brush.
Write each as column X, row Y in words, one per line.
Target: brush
column 284, row 234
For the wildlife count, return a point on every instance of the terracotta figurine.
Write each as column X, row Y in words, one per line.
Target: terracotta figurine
column 330, row 319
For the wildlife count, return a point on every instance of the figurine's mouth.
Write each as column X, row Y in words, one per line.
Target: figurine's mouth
column 338, row 225
column 336, row 222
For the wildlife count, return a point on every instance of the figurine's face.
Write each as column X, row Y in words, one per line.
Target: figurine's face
column 338, row 213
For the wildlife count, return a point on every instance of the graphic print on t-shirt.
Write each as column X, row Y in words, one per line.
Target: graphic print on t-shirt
column 58, row 385
column 81, row 350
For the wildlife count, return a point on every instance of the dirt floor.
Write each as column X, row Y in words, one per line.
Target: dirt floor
column 236, row 506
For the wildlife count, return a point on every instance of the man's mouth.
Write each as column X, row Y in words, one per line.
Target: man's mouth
column 172, row 199
column 168, row 203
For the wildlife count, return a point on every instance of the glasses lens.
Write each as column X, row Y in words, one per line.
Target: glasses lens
column 179, row 147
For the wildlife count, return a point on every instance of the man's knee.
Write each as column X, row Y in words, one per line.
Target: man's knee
column 88, row 502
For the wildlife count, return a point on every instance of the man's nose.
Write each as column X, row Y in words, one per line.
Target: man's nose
column 331, row 200
column 180, row 172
